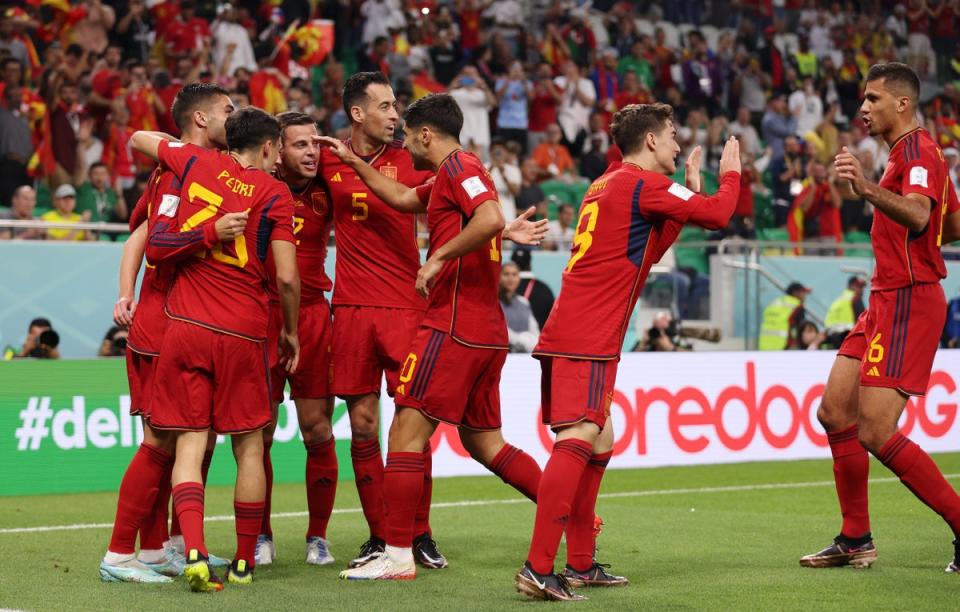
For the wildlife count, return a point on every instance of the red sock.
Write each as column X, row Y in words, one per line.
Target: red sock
column 851, row 468
column 175, row 524
column 921, row 475
column 205, row 465
column 188, row 504
column 247, row 516
column 421, row 523
column 517, row 469
column 321, row 485
column 580, row 538
column 368, row 471
column 138, row 493
column 558, row 485
column 153, row 530
column 265, row 527
column 402, row 487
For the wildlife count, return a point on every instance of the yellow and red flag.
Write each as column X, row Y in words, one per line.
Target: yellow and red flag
column 266, row 92
column 424, row 85
column 315, row 39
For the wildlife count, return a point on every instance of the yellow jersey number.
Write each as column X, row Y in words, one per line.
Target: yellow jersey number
column 213, row 201
column 360, row 208
column 583, row 239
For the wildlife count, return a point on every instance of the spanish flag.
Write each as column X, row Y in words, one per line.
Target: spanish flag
column 266, row 92
column 42, row 162
column 315, row 40
column 424, row 85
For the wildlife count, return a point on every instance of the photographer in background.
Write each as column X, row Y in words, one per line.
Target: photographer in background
column 662, row 336
column 114, row 343
column 41, row 341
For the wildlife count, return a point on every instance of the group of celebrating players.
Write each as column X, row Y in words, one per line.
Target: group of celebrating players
column 235, row 225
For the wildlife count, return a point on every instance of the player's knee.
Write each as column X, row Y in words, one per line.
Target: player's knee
column 316, row 432
column 832, row 414
column 364, row 424
column 871, row 440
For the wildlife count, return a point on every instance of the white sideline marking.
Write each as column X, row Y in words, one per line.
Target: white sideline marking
column 497, row 502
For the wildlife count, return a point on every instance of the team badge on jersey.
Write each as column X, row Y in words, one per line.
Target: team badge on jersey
column 318, row 201
column 389, row 171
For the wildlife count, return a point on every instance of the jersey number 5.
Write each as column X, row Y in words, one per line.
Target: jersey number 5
column 196, row 191
column 584, row 236
column 360, row 208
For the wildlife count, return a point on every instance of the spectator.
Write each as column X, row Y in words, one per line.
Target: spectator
column 13, row 46
column 376, row 60
column 545, row 100
column 232, row 48
column 537, row 292
column 552, row 155
column 632, row 92
column 606, row 82
column 693, row 133
column 15, row 145
column 64, row 201
column 659, row 338
column 771, row 60
column 522, row 329
column 446, row 57
column 475, row 101
column 782, row 318
column 114, row 343
column 787, row 174
column 134, row 29
column 750, row 83
column 379, row 16
column 743, row 129
column 806, row 107
column 513, row 93
column 21, row 209
column 579, row 36
column 594, row 162
column 97, row 197
column 638, row 62
column 506, row 178
column 579, row 96
column 65, row 123
column 41, row 341
column 530, row 192
column 92, row 30
column 846, row 309
column 805, row 60
column 89, row 150
column 561, row 230
column 187, row 35
column 809, row 337
column 701, row 74
column 849, row 79
column 777, row 125
column 106, row 86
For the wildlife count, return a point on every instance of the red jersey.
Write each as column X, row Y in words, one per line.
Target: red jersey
column 223, row 287
column 187, row 36
column 464, row 300
column 628, row 219
column 905, row 258
column 149, row 322
column 377, row 254
column 312, row 217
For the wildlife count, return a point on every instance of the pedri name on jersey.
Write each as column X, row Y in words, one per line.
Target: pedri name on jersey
column 235, row 185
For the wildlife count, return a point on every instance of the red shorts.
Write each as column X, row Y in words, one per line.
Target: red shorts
column 140, row 372
column 369, row 342
column 315, row 331
column 451, row 382
column 575, row 390
column 897, row 337
column 210, row 380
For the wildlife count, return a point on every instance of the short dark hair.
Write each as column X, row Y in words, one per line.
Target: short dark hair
column 250, row 127
column 632, row 123
column 439, row 111
column 75, row 50
column 290, row 118
column 355, row 89
column 896, row 76
column 192, row 97
column 97, row 164
column 40, row 322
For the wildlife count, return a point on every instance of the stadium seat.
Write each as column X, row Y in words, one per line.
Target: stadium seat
column 692, row 257
column 644, row 26
column 711, row 33
column 557, row 193
column 39, row 211
column 685, row 28
column 44, row 197
column 671, row 36
column 763, row 210
column 775, row 234
column 858, row 237
column 599, row 30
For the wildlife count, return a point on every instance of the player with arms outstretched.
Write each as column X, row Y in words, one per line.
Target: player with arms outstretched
column 144, row 497
column 889, row 354
column 452, row 369
column 310, row 384
column 628, row 219
column 214, row 358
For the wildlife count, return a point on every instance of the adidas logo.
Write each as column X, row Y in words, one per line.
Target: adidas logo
column 336, row 178
column 325, row 482
column 366, row 480
column 562, row 520
column 401, row 390
column 873, row 371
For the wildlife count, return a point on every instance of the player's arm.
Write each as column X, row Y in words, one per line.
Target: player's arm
column 148, row 143
column 133, row 250
column 714, row 212
column 485, row 224
column 911, row 210
column 524, row 231
column 393, row 193
column 288, row 286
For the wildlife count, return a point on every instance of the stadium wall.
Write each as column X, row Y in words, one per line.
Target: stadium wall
column 65, row 427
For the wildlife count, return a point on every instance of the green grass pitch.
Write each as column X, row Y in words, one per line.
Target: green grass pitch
column 689, row 538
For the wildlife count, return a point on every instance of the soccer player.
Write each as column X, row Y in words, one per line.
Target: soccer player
column 144, row 496
column 214, row 360
column 628, row 219
column 376, row 309
column 310, row 384
column 451, row 373
column 888, row 355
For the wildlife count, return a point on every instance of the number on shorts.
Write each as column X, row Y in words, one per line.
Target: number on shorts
column 875, row 355
column 406, row 372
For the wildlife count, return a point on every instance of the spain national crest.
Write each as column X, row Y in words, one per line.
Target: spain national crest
column 319, row 203
column 389, row 171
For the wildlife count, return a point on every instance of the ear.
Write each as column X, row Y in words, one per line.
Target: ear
column 425, row 135
column 356, row 113
column 199, row 118
column 651, row 141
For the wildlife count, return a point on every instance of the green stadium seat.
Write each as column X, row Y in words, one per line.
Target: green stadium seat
column 692, row 257
column 763, row 210
column 858, row 237
column 775, row 234
column 44, row 197
column 39, row 211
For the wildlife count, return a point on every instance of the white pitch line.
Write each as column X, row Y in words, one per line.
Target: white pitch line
column 497, row 502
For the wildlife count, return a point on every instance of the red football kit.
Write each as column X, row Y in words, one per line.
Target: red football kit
column 376, row 306
column 452, row 373
column 312, row 218
column 628, row 219
column 896, row 338
column 149, row 321
column 214, row 361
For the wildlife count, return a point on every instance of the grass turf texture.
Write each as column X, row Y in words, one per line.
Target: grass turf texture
column 694, row 550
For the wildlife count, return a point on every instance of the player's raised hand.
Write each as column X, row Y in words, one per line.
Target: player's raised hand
column 337, row 147
column 427, row 276
column 123, row 310
column 524, row 231
column 692, row 168
column 289, row 351
column 730, row 158
column 849, row 169
column 231, row 226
